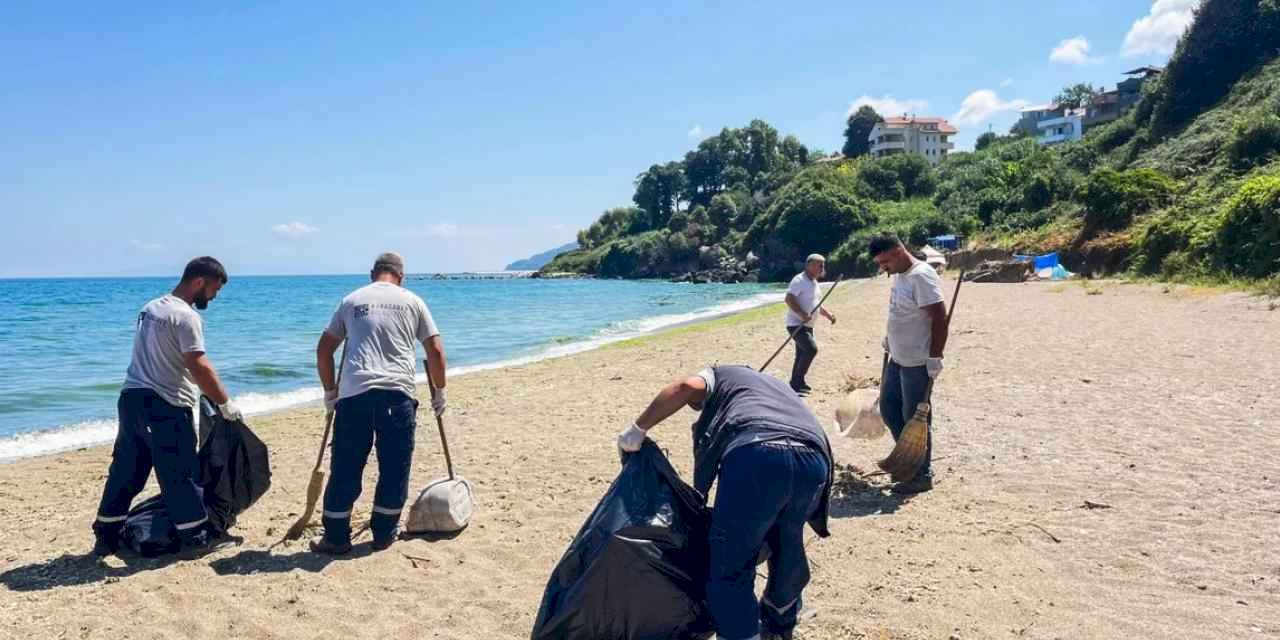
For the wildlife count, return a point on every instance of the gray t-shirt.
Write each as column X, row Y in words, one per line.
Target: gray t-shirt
column 167, row 328
column 380, row 322
column 805, row 289
column 910, row 329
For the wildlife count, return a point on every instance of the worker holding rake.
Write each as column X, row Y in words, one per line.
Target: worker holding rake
column 916, row 337
column 374, row 403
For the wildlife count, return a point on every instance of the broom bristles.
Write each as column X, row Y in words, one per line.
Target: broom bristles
column 313, row 496
column 909, row 452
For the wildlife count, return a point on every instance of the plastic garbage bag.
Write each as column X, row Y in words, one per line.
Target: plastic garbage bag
column 638, row 567
column 235, row 471
column 858, row 415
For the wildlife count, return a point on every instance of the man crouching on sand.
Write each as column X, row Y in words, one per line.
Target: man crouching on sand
column 166, row 376
column 775, row 466
column 375, row 406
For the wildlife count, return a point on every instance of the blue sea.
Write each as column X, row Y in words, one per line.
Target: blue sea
column 65, row 343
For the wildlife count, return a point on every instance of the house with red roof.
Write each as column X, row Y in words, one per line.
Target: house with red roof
column 923, row 136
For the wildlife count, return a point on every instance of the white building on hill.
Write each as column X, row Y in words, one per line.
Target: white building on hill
column 928, row 137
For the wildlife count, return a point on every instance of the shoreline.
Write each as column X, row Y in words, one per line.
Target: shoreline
column 101, row 432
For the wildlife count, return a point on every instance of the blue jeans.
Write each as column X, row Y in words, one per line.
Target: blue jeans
column 159, row 435
column 901, row 390
column 767, row 492
column 382, row 418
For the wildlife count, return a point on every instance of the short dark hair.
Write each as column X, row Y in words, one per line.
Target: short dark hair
column 204, row 267
column 882, row 243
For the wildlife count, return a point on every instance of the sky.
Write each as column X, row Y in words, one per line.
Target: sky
column 305, row 137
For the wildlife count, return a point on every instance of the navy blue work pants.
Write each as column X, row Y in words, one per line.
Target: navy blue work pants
column 381, row 419
column 159, row 435
column 767, row 492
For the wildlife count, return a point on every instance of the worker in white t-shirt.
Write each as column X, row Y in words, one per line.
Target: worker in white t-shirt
column 374, row 408
column 916, row 337
column 168, row 372
column 802, row 297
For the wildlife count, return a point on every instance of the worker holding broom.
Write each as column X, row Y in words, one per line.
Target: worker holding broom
column 375, row 406
column 916, row 337
column 775, row 471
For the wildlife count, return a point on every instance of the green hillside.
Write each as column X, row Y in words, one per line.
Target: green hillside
column 1185, row 186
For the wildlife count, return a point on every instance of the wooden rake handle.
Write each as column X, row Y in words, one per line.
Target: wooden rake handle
column 796, row 329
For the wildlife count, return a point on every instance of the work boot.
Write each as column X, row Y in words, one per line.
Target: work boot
column 104, row 545
column 202, row 543
column 382, row 543
column 329, row 548
column 918, row 484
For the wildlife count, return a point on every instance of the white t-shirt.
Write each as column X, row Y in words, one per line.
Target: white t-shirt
column 167, row 328
column 805, row 289
column 380, row 322
column 910, row 329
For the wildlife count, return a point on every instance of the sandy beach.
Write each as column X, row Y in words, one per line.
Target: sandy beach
column 1157, row 405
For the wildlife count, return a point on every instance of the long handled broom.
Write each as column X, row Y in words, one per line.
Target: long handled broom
column 908, row 453
column 796, row 329
column 317, row 473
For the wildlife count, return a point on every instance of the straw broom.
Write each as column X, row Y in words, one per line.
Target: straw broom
column 909, row 451
column 317, row 474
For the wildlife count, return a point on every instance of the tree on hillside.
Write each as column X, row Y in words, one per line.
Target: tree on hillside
column 1077, row 95
column 985, row 140
column 612, row 224
column 857, row 131
column 658, row 192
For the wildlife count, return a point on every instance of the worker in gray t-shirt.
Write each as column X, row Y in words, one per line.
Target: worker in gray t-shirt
column 168, row 372
column 915, row 338
column 375, row 406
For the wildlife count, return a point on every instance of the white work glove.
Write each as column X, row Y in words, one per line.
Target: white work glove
column 438, row 401
column 230, row 411
column 331, row 399
column 934, row 367
column 631, row 438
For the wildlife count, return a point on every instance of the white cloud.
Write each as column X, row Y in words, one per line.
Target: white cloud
column 889, row 105
column 1073, row 51
column 981, row 105
column 1158, row 32
column 293, row 229
column 1007, row 82
column 148, row 247
column 696, row 132
column 442, row 230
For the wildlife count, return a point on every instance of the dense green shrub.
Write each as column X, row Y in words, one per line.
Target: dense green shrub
column 1112, row 134
column 915, row 174
column 813, row 213
column 1254, row 141
column 1112, row 198
column 881, row 182
column 1248, row 235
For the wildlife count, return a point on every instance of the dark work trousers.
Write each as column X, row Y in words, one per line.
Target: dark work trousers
column 153, row 433
column 902, row 389
column 379, row 418
column 767, row 492
column 806, row 351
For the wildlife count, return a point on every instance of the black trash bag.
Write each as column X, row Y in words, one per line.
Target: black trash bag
column 235, row 471
column 637, row 569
